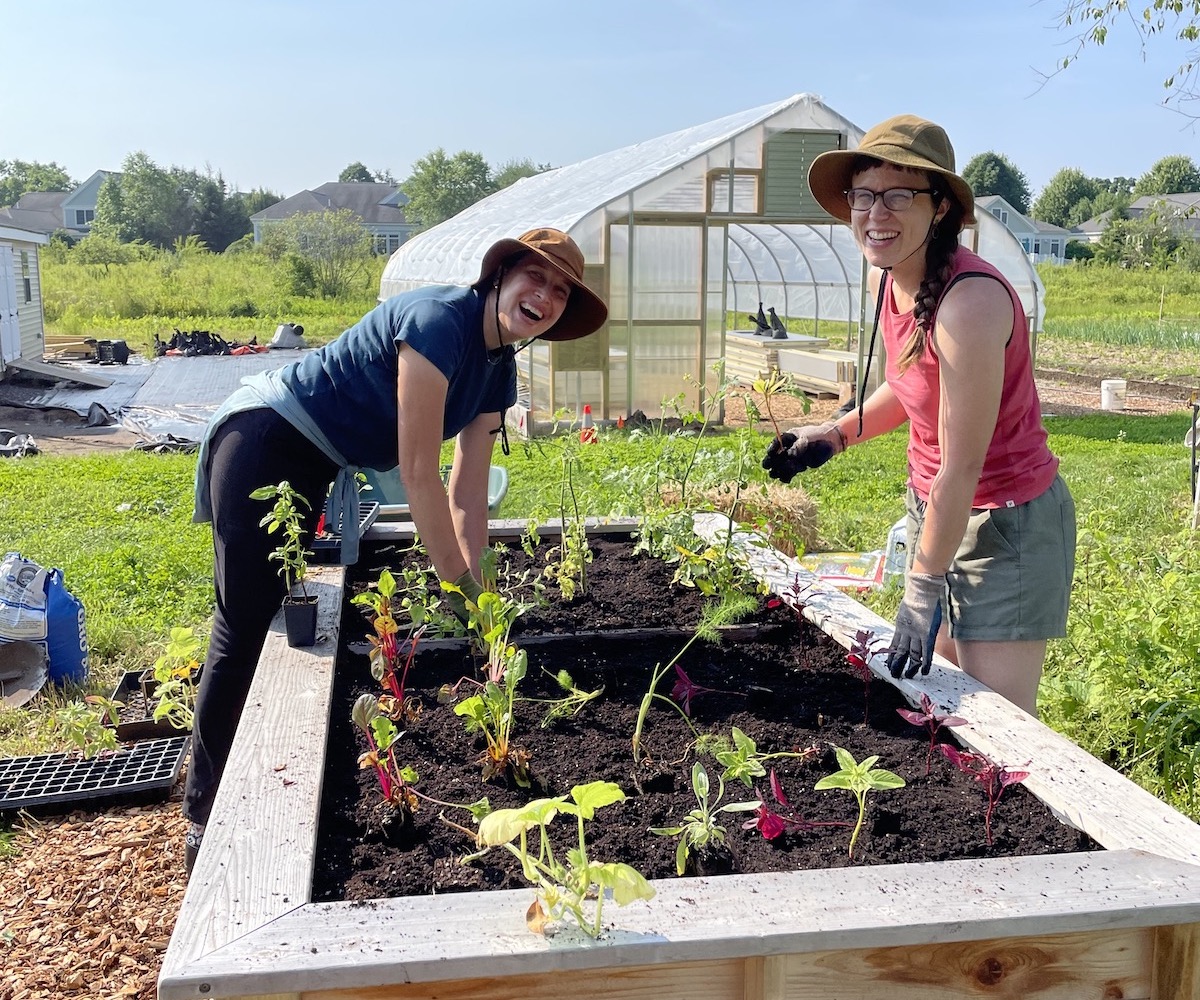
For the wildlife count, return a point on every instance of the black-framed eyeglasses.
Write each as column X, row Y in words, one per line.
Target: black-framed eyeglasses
column 894, row 199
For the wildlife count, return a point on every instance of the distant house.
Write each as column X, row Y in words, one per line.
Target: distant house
column 22, row 333
column 1184, row 208
column 1043, row 243
column 380, row 206
column 49, row 211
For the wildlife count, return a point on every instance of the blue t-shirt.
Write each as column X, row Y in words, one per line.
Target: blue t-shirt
column 348, row 387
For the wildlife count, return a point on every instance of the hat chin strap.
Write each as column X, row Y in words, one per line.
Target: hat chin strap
column 862, row 389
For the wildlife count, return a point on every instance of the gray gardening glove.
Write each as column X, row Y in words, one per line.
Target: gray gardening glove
column 917, row 623
column 470, row 592
column 802, row 448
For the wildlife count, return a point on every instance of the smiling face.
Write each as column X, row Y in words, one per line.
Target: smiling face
column 533, row 296
column 895, row 239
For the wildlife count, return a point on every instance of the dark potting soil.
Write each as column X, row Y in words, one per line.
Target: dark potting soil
column 776, row 677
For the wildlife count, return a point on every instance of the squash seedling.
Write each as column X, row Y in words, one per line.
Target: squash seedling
column 175, row 678
column 565, row 885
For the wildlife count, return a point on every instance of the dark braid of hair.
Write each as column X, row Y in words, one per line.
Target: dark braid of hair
column 939, row 256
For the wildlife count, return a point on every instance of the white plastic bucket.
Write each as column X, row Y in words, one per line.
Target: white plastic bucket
column 1112, row 394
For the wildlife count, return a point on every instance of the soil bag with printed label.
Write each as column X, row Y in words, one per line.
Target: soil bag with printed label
column 35, row 606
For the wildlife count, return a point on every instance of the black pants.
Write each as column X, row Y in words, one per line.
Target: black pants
column 250, row 449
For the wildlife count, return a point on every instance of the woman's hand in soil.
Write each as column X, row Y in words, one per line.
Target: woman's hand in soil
column 802, row 448
column 917, row 623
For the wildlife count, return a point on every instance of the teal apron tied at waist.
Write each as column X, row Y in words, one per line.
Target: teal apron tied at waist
column 267, row 389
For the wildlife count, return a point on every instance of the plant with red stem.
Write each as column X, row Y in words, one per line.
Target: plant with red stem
column 686, row 689
column 387, row 648
column 382, row 735
column 992, row 776
column 772, row 823
column 932, row 721
column 862, row 648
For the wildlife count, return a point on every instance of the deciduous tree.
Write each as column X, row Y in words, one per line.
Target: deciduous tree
column 19, row 176
column 994, row 173
column 1062, row 199
column 512, row 171
column 324, row 252
column 1170, row 175
column 441, row 186
column 1179, row 20
column 356, row 173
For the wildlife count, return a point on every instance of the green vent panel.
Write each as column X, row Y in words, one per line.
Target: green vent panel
column 785, row 172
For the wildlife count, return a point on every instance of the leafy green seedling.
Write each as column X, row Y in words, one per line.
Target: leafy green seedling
column 859, row 778
column 701, row 829
column 290, row 553
column 743, row 760
column 565, row 885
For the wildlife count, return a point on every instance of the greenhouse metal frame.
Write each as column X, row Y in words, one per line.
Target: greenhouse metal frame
column 684, row 235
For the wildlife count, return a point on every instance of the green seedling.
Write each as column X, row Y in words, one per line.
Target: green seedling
column 89, row 724
column 564, row 885
column 700, row 828
column 290, row 553
column 859, row 779
column 743, row 761
column 175, row 678
column 729, row 609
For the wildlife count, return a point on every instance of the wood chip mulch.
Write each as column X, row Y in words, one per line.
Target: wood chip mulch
column 88, row 903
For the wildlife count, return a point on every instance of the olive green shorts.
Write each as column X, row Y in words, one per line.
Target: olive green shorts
column 1011, row 577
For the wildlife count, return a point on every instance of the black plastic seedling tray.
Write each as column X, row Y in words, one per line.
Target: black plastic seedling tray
column 137, row 722
column 57, row 782
column 328, row 549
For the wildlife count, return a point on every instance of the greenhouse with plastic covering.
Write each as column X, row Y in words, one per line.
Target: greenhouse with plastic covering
column 685, row 236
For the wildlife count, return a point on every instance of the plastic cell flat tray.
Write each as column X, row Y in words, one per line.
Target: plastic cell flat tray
column 329, row 548
column 52, row 782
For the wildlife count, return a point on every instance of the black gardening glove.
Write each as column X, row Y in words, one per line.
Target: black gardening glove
column 917, row 623
column 802, row 448
column 468, row 589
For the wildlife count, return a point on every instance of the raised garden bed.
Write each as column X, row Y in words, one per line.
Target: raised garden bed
column 1119, row 922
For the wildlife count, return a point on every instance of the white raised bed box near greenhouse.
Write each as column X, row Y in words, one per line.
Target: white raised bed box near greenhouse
column 1119, row 923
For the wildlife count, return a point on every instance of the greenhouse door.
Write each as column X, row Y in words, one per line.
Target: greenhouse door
column 656, row 312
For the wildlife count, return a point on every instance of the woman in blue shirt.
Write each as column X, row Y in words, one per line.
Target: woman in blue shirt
column 420, row 368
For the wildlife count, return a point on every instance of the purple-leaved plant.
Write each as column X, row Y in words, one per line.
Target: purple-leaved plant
column 932, row 721
column 862, row 648
column 686, row 689
column 992, row 776
column 772, row 823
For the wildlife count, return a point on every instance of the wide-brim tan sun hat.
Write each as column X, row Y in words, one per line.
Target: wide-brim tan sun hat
column 585, row 311
column 903, row 141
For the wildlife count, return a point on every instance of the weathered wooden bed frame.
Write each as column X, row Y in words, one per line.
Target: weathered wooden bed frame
column 1119, row 924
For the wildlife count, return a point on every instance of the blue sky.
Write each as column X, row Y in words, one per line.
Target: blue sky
column 284, row 95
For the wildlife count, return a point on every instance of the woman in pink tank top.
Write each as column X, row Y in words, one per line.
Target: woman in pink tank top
column 991, row 526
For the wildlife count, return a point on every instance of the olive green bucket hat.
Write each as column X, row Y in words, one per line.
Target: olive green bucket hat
column 903, row 141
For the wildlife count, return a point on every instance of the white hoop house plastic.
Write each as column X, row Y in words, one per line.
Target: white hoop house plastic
column 684, row 236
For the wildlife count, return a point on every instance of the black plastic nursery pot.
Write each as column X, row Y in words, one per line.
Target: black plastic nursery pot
column 58, row 782
column 300, row 619
column 137, row 694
